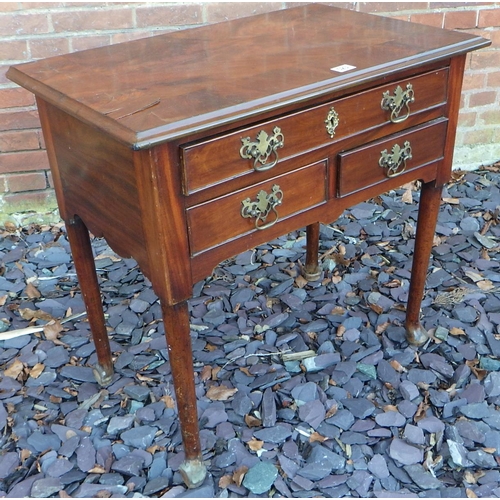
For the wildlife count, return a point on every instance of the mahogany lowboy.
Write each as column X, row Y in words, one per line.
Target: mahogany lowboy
column 187, row 148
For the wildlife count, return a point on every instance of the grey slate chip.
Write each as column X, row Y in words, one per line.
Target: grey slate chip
column 260, row 477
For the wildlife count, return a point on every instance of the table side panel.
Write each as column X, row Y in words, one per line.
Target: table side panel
column 96, row 182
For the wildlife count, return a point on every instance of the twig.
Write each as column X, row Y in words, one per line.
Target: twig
column 12, row 334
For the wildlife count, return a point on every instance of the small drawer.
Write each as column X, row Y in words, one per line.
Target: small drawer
column 263, row 146
column 256, row 208
column 378, row 161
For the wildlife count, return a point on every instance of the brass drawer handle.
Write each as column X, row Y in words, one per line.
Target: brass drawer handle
column 261, row 149
column 395, row 162
column 332, row 121
column 395, row 103
column 262, row 207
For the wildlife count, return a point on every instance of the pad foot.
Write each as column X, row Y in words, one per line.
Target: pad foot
column 193, row 472
column 416, row 335
column 102, row 376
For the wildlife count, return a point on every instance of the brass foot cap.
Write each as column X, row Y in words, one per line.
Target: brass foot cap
column 416, row 335
column 311, row 273
column 193, row 472
column 102, row 376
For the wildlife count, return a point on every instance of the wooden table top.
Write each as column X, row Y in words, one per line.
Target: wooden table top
column 164, row 87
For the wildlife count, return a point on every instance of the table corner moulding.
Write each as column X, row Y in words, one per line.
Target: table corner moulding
column 206, row 160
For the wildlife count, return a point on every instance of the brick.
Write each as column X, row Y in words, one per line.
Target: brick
column 490, row 116
column 479, row 136
column 19, row 23
column 99, row 18
column 473, row 81
column 483, row 98
column 216, row 12
column 460, row 19
column 453, row 5
column 9, row 6
column 428, row 18
column 19, row 120
column 467, row 118
column 15, row 50
column 128, row 36
column 16, row 98
column 493, row 79
column 391, row 6
column 483, row 59
column 488, row 18
column 89, row 42
column 32, row 181
column 22, row 162
column 36, row 201
column 173, row 15
column 41, row 48
column 22, row 140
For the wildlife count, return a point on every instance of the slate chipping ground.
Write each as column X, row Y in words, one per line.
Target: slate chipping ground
column 365, row 416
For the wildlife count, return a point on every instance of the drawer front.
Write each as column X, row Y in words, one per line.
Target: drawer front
column 262, row 147
column 378, row 161
column 256, row 208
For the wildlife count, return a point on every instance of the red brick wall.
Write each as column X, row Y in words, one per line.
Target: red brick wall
column 33, row 30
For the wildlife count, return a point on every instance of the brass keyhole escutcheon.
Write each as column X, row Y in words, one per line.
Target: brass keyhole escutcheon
column 262, row 207
column 262, row 149
column 399, row 101
column 394, row 162
column 332, row 121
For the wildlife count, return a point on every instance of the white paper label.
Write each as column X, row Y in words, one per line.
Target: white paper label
column 343, row 68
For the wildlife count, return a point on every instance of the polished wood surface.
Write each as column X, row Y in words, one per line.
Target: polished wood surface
column 231, row 71
column 145, row 145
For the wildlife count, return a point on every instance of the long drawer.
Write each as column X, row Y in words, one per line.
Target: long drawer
column 379, row 161
column 256, row 208
column 263, row 146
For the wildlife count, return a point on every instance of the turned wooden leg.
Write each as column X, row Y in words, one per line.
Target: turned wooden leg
column 430, row 199
column 312, row 271
column 176, row 320
column 85, row 269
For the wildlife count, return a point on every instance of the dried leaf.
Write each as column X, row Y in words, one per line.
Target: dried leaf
column 398, row 366
column 255, row 444
column 456, row 331
column 300, row 281
column 239, row 474
column 32, row 292
column 246, row 371
column 168, row 400
column 220, row 393
column 382, row 327
column 225, row 481
column 341, row 330
column 25, row 454
column 14, row 370
column 52, row 330
column 29, row 314
column 489, row 450
column 206, row 373
column 470, row 493
column 474, row 276
column 37, row 370
column 316, row 437
column 332, row 411
column 376, row 308
column 485, row 285
column 252, row 421
column 452, row 201
column 407, row 196
column 469, row 477
column 390, row 408
column 98, row 470
column 3, row 300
